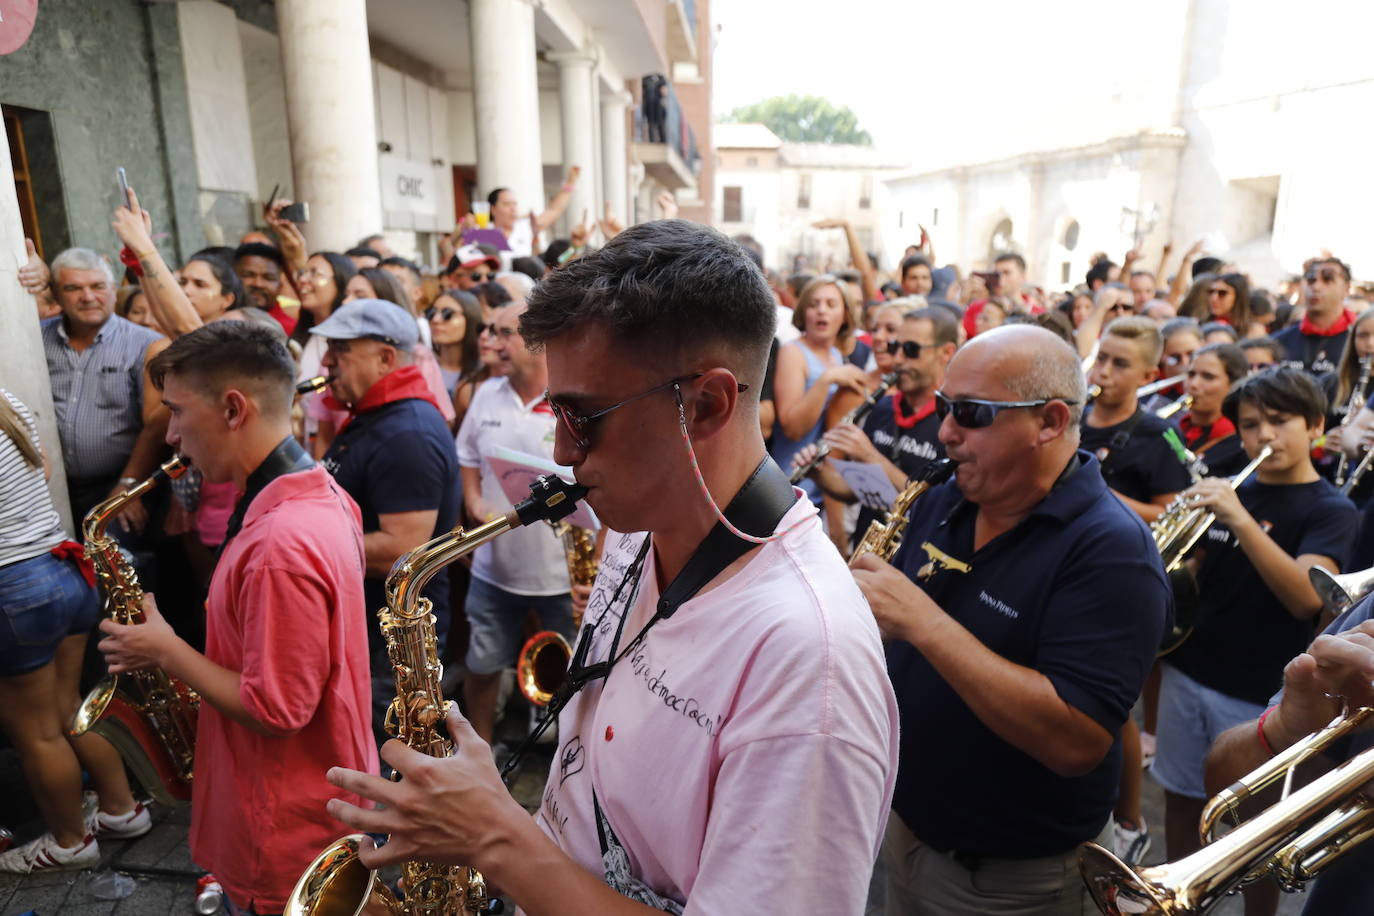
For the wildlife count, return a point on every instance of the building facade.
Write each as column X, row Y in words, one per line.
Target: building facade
column 388, row 115
column 776, row 191
column 1215, row 126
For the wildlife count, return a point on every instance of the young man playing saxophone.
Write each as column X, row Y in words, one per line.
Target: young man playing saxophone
column 734, row 736
column 284, row 679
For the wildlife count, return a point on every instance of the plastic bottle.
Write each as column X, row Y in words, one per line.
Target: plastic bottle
column 111, row 885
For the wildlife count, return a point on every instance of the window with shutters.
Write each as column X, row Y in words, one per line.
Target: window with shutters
column 732, row 207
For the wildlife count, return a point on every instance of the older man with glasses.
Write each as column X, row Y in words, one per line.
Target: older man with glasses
column 1023, row 611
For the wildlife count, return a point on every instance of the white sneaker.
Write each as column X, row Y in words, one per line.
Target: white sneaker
column 120, row 826
column 1130, row 843
column 43, row 854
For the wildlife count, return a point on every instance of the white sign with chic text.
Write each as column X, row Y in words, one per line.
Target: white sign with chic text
column 409, row 186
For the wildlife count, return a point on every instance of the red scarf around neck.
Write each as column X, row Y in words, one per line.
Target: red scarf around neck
column 1195, row 435
column 1343, row 321
column 407, row 382
column 906, row 421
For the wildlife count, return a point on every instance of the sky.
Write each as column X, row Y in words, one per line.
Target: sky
column 918, row 73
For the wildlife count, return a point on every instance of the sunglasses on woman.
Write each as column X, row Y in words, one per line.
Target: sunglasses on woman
column 444, row 314
column 973, row 413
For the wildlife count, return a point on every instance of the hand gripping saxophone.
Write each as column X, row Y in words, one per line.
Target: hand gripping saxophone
column 884, row 536
column 336, row 882
column 147, row 715
column 542, row 666
column 855, row 416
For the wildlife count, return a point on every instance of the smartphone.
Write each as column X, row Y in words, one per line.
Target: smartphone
column 124, row 187
column 296, row 213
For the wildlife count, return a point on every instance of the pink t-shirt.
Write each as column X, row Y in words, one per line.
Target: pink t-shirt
column 745, row 750
column 286, row 611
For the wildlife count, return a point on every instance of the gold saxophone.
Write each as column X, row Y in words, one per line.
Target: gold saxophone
column 542, row 665
column 337, row 882
column 148, row 716
column 1175, row 532
column 884, row 535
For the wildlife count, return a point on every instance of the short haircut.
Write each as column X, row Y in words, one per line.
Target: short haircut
column 944, row 329
column 259, row 250
column 1335, row 262
column 1263, row 343
column 530, row 266
column 1176, row 326
column 1055, row 371
column 492, row 294
column 1141, row 331
column 366, row 241
column 405, row 264
column 1099, row 272
column 363, row 252
column 231, row 354
column 81, row 259
column 1213, row 327
column 672, row 291
column 752, row 246
column 1056, row 322
column 1206, row 265
column 1231, row 357
column 1011, row 256
column 916, row 260
column 1279, row 389
column 1142, row 273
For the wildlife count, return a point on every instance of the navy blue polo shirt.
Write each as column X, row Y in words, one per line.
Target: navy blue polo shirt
column 400, row 458
column 1077, row 592
column 1137, row 461
column 912, row 445
column 1243, row 635
column 1310, row 352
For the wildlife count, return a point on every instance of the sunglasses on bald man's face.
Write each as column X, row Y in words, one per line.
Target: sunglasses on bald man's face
column 973, row 413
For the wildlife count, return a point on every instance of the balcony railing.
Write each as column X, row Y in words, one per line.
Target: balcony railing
column 676, row 132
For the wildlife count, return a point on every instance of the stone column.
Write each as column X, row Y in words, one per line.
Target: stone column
column 21, row 346
column 327, row 68
column 614, row 161
column 506, row 100
column 576, row 95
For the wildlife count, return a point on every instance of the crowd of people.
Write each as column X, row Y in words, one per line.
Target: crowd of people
column 746, row 718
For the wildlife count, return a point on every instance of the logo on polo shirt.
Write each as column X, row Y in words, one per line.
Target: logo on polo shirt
column 1000, row 607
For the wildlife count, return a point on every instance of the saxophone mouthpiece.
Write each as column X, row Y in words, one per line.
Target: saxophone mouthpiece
column 312, row 385
column 551, row 499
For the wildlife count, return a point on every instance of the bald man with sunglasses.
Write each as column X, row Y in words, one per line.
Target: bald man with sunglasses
column 1023, row 611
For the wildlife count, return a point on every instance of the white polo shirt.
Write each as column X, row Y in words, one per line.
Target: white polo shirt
column 526, row 561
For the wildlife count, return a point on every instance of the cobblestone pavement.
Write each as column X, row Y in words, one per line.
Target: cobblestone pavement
column 165, row 877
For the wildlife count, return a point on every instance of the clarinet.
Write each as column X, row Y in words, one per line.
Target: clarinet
column 1352, row 408
column 857, row 415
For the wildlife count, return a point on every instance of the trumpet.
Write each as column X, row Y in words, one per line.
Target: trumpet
column 857, row 415
column 1340, row 593
column 1176, row 532
column 336, row 881
column 1173, row 407
column 1093, row 392
column 542, row 666
column 1145, row 391
column 1293, row 840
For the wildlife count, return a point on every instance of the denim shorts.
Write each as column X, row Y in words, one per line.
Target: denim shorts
column 1191, row 718
column 497, row 621
column 42, row 601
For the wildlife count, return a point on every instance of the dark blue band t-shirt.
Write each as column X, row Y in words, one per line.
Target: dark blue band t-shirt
column 1243, row 636
column 400, row 458
column 912, row 445
column 1310, row 352
column 1137, row 461
column 1076, row 591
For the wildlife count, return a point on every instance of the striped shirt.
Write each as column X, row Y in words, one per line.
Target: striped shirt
column 98, row 395
column 29, row 525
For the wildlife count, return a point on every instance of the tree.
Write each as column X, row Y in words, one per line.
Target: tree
column 804, row 118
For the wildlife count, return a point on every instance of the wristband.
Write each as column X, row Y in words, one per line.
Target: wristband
column 1259, row 730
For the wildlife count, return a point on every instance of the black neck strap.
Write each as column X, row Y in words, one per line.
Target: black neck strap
column 756, row 510
column 287, row 458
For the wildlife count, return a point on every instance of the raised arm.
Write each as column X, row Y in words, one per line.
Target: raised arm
column 857, row 256
column 560, row 201
column 1184, row 276
column 174, row 312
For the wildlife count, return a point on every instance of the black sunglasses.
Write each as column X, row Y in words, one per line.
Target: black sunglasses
column 972, row 413
column 445, row 314
column 910, row 348
column 479, row 277
column 577, row 424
